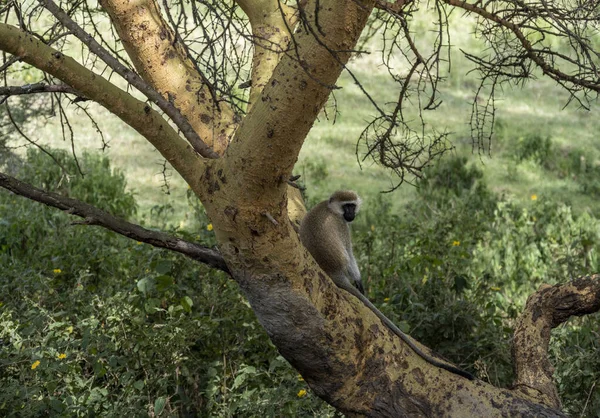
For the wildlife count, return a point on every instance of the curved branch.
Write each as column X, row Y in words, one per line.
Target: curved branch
column 135, row 80
column 94, row 216
column 546, row 309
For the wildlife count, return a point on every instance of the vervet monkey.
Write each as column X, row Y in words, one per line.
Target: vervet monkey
column 325, row 233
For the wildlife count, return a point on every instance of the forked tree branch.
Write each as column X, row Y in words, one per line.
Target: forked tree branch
column 546, row 309
column 94, row 216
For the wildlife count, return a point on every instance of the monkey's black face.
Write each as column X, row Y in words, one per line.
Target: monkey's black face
column 349, row 211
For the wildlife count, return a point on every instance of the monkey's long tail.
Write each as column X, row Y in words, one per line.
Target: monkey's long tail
column 410, row 343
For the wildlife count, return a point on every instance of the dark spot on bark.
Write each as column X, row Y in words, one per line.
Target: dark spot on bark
column 231, row 212
column 303, row 85
column 164, row 34
column 221, row 176
column 147, row 109
column 254, row 232
column 536, row 313
column 213, row 185
column 204, row 118
column 419, row 376
column 374, row 328
column 274, row 83
column 270, row 133
column 171, row 54
column 57, row 55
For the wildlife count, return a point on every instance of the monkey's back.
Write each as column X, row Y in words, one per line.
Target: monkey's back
column 321, row 232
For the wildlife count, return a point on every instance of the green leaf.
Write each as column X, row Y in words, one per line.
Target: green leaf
column 187, row 303
column 159, row 405
column 163, row 267
column 145, row 285
column 139, row 384
column 164, row 282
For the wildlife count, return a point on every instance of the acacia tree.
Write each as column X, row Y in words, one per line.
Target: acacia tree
column 236, row 148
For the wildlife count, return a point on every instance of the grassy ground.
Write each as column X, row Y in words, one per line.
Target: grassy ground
column 328, row 160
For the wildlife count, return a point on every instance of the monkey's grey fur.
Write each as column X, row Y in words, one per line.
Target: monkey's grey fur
column 325, row 233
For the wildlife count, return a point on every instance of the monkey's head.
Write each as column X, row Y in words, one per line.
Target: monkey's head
column 345, row 203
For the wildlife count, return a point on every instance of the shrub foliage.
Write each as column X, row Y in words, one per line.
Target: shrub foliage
column 95, row 324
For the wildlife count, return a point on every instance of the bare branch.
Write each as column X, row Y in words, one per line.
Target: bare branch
column 36, row 88
column 93, row 216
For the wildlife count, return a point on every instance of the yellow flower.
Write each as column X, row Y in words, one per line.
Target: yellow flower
column 372, row 227
column 57, row 271
column 533, row 197
column 300, row 378
column 35, row 364
column 302, row 393
column 386, row 299
column 62, row 356
column 139, row 243
column 455, row 243
column 495, row 289
column 209, row 227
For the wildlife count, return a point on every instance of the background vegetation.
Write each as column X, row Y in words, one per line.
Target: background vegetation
column 94, row 324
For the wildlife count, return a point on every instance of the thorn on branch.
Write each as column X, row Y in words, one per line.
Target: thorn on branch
column 270, row 218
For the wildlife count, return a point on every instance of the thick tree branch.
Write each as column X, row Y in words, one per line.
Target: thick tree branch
column 135, row 80
column 546, row 309
column 137, row 114
column 94, row 216
column 271, row 21
column 161, row 58
column 267, row 144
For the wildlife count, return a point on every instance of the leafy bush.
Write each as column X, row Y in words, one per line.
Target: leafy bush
column 92, row 323
column 455, row 268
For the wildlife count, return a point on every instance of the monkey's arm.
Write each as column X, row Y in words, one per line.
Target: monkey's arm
column 446, row 366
